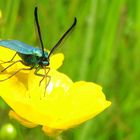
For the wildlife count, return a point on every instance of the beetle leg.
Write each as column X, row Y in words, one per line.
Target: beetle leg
column 46, row 76
column 12, row 65
column 16, row 73
column 43, row 75
column 9, row 60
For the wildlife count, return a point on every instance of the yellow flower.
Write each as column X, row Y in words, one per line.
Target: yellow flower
column 65, row 104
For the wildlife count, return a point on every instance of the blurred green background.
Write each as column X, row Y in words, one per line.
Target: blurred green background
column 103, row 48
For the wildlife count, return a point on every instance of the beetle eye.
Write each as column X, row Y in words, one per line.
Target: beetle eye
column 45, row 63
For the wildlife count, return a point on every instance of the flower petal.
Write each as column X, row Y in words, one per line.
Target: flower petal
column 6, row 54
column 24, row 122
column 56, row 60
column 59, row 83
column 14, row 87
column 85, row 101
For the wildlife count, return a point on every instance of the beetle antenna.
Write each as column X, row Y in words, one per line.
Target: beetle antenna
column 39, row 31
column 63, row 36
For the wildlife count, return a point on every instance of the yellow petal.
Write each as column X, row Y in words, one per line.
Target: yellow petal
column 56, row 60
column 6, row 54
column 84, row 101
column 59, row 82
column 19, row 97
column 24, row 122
column 15, row 86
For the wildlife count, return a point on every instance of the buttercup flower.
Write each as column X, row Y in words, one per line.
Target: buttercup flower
column 65, row 104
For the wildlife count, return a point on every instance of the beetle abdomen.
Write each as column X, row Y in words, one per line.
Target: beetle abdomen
column 29, row 60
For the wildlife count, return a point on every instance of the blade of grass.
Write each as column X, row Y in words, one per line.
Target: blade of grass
column 87, row 51
column 10, row 18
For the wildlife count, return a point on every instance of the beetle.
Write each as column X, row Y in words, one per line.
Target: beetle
column 35, row 58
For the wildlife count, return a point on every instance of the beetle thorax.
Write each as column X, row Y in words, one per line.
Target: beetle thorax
column 44, row 61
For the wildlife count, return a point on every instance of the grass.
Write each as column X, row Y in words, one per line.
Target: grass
column 107, row 40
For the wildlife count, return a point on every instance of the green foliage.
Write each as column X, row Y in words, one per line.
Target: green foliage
column 103, row 48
